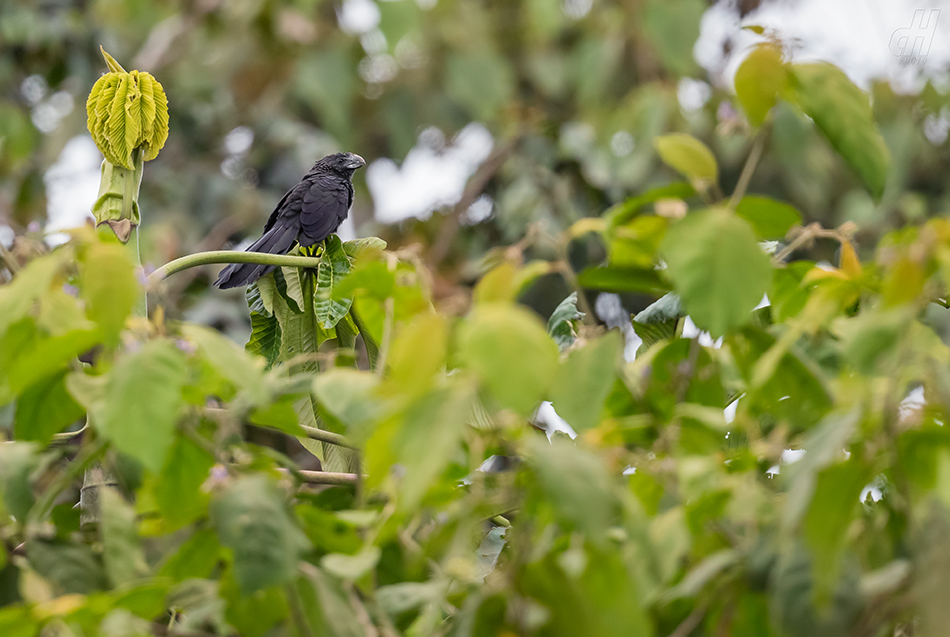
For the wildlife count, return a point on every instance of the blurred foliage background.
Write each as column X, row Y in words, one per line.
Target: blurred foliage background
column 571, row 92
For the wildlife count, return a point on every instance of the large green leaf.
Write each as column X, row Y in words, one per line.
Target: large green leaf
column 584, row 380
column 511, row 352
column 842, row 112
column 230, row 361
column 252, row 520
column 717, row 267
column 144, row 395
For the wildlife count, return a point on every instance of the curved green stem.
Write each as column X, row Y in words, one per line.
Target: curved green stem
column 228, row 256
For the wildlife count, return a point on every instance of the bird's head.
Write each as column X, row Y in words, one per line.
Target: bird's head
column 340, row 163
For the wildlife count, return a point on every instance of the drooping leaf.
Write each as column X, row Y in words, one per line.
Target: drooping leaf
column 759, row 80
column 658, row 321
column 561, row 323
column 717, row 268
column 334, row 265
column 842, row 112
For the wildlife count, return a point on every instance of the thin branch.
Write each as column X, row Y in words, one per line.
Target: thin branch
column 326, row 477
column 758, row 146
column 9, row 260
column 228, row 256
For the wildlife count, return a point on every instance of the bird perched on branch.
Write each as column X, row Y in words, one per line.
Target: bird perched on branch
column 309, row 213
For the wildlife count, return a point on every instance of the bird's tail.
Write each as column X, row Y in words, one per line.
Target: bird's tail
column 277, row 240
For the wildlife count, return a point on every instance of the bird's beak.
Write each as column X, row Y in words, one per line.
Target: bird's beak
column 354, row 161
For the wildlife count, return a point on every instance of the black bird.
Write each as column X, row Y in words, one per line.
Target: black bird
column 309, row 213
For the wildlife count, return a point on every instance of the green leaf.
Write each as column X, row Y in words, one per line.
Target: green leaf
column 109, row 287
column 658, row 321
column 481, row 82
column 717, row 268
column 700, row 575
column 584, row 379
column 252, row 520
column 623, row 212
column 672, row 27
column 575, row 482
column 195, row 558
column 334, row 265
column 17, row 462
column 69, row 567
column 265, row 339
column 561, row 323
column 422, row 440
column 419, row 353
column 44, row 409
column 230, row 361
column 620, row 279
column 144, row 397
column 29, row 284
column 288, row 282
column 326, row 608
column 832, row 509
column 769, row 218
column 759, row 80
column 508, row 348
column 355, row 247
column 178, row 490
column 351, row 567
column 347, row 394
column 121, row 548
column 688, row 156
column 842, row 112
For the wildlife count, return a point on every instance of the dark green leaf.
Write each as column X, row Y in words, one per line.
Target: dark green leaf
column 178, row 488
column 617, row 279
column 561, row 323
column 121, row 548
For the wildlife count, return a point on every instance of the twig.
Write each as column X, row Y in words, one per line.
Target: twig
column 228, row 256
column 9, row 260
column 753, row 160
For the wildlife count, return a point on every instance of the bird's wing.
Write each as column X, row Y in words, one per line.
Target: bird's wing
column 288, row 205
column 325, row 204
